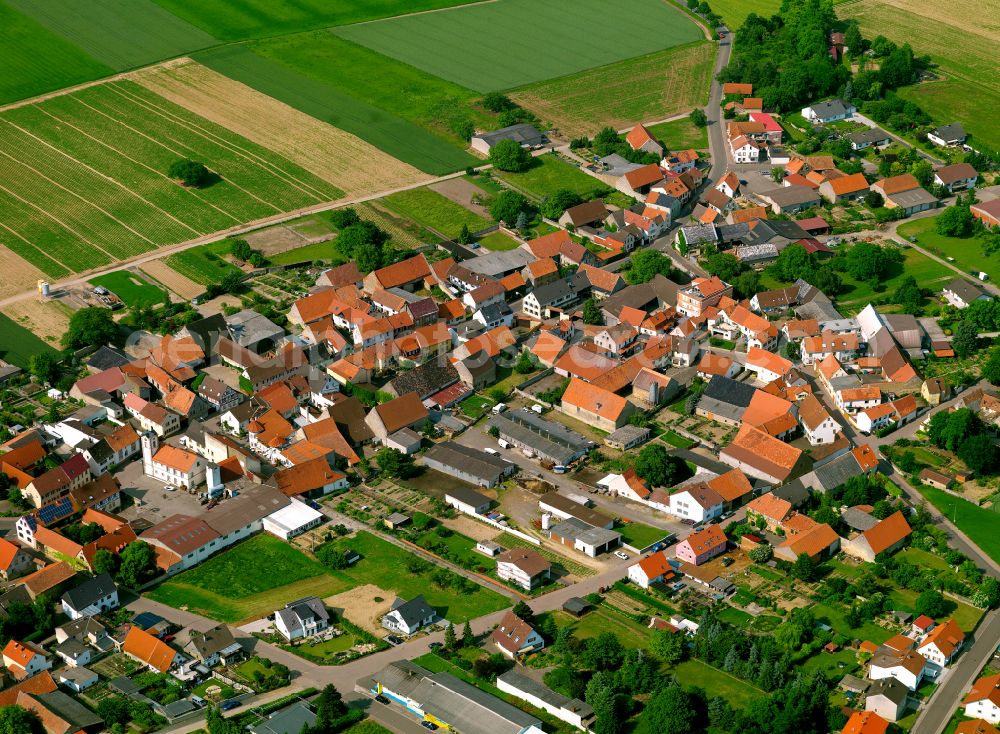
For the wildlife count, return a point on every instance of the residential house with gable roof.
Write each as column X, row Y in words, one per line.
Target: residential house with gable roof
column 515, row 637
column 524, row 567
column 696, row 501
column 596, row 406
column 151, row 651
column 941, row 646
column 759, row 455
column 702, row 546
column 653, row 569
column 983, row 701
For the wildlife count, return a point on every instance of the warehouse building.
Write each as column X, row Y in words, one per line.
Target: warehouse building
column 547, row 440
column 469, row 465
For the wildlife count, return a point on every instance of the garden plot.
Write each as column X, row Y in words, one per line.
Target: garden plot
column 174, row 281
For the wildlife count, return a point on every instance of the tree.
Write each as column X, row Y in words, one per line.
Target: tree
column 190, row 173
column 508, row 155
column 553, row 206
column 804, row 568
column 521, row 610
column 668, row 647
column 450, row 641
column 343, row 218
column 498, row 102
column 522, row 222
column 137, row 564
column 991, row 369
column 965, row 340
column 698, row 118
column 91, row 326
column 601, row 696
column 464, row 235
column 114, row 710
column 355, row 238
column 874, row 200
column 648, row 263
column 468, row 639
column 507, row 205
column 955, row 221
column 240, row 249
column 660, row 468
column 987, row 595
column 395, row 463
column 777, row 174
column 524, row 365
column 933, row 604
column 566, row 681
column 853, row 40
column 909, row 296
column 592, row 313
column 980, row 454
column 869, row 262
column 724, row 264
column 670, row 711
column 330, row 707
column 792, row 263
column 44, row 366
column 604, row 652
column 19, row 720
column 761, row 554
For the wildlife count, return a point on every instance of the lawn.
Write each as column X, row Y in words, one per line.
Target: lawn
column 734, row 12
column 648, row 88
column 680, row 134
column 132, row 288
column 18, row 345
column 593, row 623
column 977, row 522
column 383, row 564
column 250, row 579
column 298, row 81
column 837, row 664
column 122, row 35
column 971, row 104
column 640, row 536
column 549, row 174
column 85, row 181
column 306, row 253
column 719, row 683
column 498, row 241
column 328, row 650
column 232, row 20
column 436, row 105
column 203, row 264
column 835, row 617
column 35, row 60
column 923, row 559
column 676, row 439
column 501, row 45
column 967, row 254
column 434, row 210
column 475, row 405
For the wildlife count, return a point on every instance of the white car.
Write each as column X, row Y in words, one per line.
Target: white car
column 169, row 488
column 622, row 554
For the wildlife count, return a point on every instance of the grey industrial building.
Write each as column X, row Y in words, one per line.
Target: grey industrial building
column 548, row 440
column 469, row 465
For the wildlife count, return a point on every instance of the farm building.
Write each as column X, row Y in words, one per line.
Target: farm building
column 548, row 440
column 468, row 501
column 527, row 136
column 467, row 464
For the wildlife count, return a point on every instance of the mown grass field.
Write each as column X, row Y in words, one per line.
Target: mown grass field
column 516, row 42
column 17, row 344
column 680, row 135
column 231, row 20
column 734, row 12
column 643, row 89
column 36, row 60
column 307, row 92
column 498, row 241
column 132, row 288
column 967, row 252
column 313, row 251
column 399, row 89
column 431, row 209
column 121, row 34
column 965, row 53
column 977, row 522
column 85, row 183
column 203, row 264
column 549, row 174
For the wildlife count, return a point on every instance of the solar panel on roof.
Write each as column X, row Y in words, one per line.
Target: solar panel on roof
column 55, row 511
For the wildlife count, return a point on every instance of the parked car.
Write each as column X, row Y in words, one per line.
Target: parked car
column 381, row 699
column 394, row 639
column 492, row 452
column 727, row 562
column 230, row 704
column 687, row 521
column 429, row 725
column 622, row 554
column 435, row 645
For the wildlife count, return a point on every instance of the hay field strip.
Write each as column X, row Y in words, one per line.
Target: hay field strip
column 83, row 183
column 512, row 43
column 122, row 34
column 650, row 87
column 333, row 155
column 386, row 131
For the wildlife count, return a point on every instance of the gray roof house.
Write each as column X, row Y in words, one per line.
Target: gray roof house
column 409, row 616
column 947, row 135
column 832, row 109
column 724, row 400
column 867, row 138
column 468, row 464
column 93, row 596
column 253, row 331
column 214, row 645
column 302, row 618
column 961, row 293
column 288, row 720
column 523, row 134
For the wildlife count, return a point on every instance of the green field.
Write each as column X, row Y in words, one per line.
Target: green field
column 643, row 89
column 247, row 580
column 835, row 616
column 35, row 60
column 734, row 12
column 508, row 44
column 314, row 251
column 977, row 522
column 434, row 210
column 17, row 344
column 976, row 107
column 640, row 536
column 85, row 174
column 300, row 83
column 967, row 253
column 548, row 174
column 719, row 683
column 432, row 104
column 498, row 241
column 123, row 34
column 680, row 134
column 231, row 20
column 132, row 288
column 203, row 264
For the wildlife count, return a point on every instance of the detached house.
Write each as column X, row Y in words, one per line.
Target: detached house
column 702, row 546
column 639, row 138
column 23, row 659
column 596, row 406
column 885, row 537
column 302, row 618
column 524, row 567
column 515, row 637
column 947, row 136
column 94, row 596
column 154, row 653
column 14, row 561
column 983, row 701
column 653, row 569
column 406, row 617
column 698, row 502
column 940, row 647
column 956, row 177
column 829, row 111
column 844, row 188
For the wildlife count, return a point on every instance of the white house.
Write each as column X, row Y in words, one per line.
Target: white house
column 983, row 701
column 941, row 645
column 744, row 150
column 905, row 666
column 292, row 520
column 833, row 109
column 697, row 502
column 768, row 366
column 818, row 425
column 947, row 136
column 652, row 569
column 170, row 464
column 303, row 618
column 524, row 567
column 94, row 596
column 407, row 617
column 77, row 679
column 515, row 637
column 25, row 659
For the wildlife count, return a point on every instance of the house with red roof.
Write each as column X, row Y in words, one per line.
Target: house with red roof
column 639, row 138
column 653, row 569
column 24, row 659
column 151, row 651
column 14, row 560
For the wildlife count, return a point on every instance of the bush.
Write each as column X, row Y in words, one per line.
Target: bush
column 508, row 155
column 189, row 172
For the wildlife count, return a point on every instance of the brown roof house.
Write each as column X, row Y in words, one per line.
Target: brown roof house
column 406, row 411
column 886, row 537
column 844, row 188
column 596, row 406
column 515, row 637
column 525, row 567
column 760, row 455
